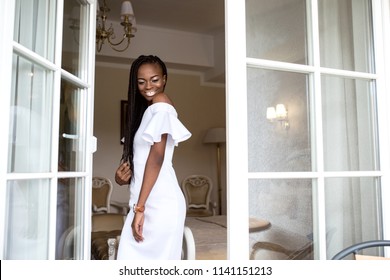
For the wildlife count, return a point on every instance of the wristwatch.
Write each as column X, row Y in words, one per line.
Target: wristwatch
column 138, row 208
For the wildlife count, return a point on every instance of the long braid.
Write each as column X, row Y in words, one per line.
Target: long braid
column 137, row 105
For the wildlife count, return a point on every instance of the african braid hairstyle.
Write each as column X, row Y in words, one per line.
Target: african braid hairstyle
column 137, row 105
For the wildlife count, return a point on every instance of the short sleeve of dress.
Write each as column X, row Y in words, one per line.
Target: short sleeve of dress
column 164, row 120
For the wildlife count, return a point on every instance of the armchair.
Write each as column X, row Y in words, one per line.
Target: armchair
column 354, row 250
column 197, row 191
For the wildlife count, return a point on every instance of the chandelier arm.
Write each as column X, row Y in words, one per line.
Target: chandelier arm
column 99, row 45
column 116, row 44
column 113, row 46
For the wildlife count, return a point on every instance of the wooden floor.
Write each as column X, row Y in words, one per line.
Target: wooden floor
column 210, row 235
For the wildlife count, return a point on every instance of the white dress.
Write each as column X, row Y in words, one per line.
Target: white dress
column 165, row 208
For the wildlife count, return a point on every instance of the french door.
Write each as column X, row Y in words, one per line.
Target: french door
column 318, row 169
column 47, row 103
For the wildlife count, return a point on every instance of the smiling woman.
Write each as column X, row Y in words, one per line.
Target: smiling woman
column 155, row 226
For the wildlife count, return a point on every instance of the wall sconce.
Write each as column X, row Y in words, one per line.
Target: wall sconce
column 278, row 113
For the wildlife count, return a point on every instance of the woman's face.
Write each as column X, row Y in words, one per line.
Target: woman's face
column 151, row 80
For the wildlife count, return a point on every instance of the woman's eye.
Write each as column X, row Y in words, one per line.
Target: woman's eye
column 155, row 81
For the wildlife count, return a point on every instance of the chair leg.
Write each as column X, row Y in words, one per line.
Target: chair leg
column 112, row 248
column 188, row 251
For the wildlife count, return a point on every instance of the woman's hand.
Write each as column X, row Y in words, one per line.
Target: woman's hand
column 137, row 226
column 123, row 174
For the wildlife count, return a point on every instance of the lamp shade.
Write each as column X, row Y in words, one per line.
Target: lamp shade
column 271, row 113
column 281, row 111
column 215, row 135
column 127, row 9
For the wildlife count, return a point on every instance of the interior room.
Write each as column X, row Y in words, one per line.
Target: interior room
column 193, row 50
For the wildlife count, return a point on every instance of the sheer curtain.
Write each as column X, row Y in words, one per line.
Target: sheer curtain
column 349, row 123
column 30, row 133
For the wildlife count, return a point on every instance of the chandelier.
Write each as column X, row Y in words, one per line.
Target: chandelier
column 104, row 35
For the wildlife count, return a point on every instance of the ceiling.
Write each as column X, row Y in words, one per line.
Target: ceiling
column 205, row 17
column 198, row 16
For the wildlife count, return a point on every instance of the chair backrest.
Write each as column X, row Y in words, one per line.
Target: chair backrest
column 101, row 195
column 354, row 249
column 197, row 191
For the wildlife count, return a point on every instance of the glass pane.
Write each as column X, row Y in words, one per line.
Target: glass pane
column 35, row 25
column 281, row 143
column 31, row 118
column 72, row 129
column 74, row 36
column 352, row 207
column 276, row 30
column 69, row 213
column 287, row 206
column 27, row 220
column 349, row 124
column 346, row 34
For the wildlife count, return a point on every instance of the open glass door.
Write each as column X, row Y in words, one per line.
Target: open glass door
column 50, row 142
column 306, row 116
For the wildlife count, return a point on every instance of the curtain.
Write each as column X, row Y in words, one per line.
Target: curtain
column 349, row 124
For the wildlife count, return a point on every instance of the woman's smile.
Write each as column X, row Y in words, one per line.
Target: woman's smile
column 150, row 93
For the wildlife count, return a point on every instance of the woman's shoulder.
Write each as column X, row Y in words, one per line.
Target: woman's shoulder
column 162, row 102
column 162, row 98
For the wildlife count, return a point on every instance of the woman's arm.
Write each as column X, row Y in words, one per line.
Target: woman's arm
column 152, row 170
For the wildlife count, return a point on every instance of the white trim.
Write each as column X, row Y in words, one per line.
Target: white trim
column 91, row 140
column 6, row 37
column 324, row 174
column 381, row 26
column 33, row 57
column 32, row 176
column 236, row 118
column 74, row 80
column 306, row 69
column 386, row 46
column 55, row 130
column 319, row 227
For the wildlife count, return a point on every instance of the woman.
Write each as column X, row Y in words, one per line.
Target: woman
column 154, row 226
